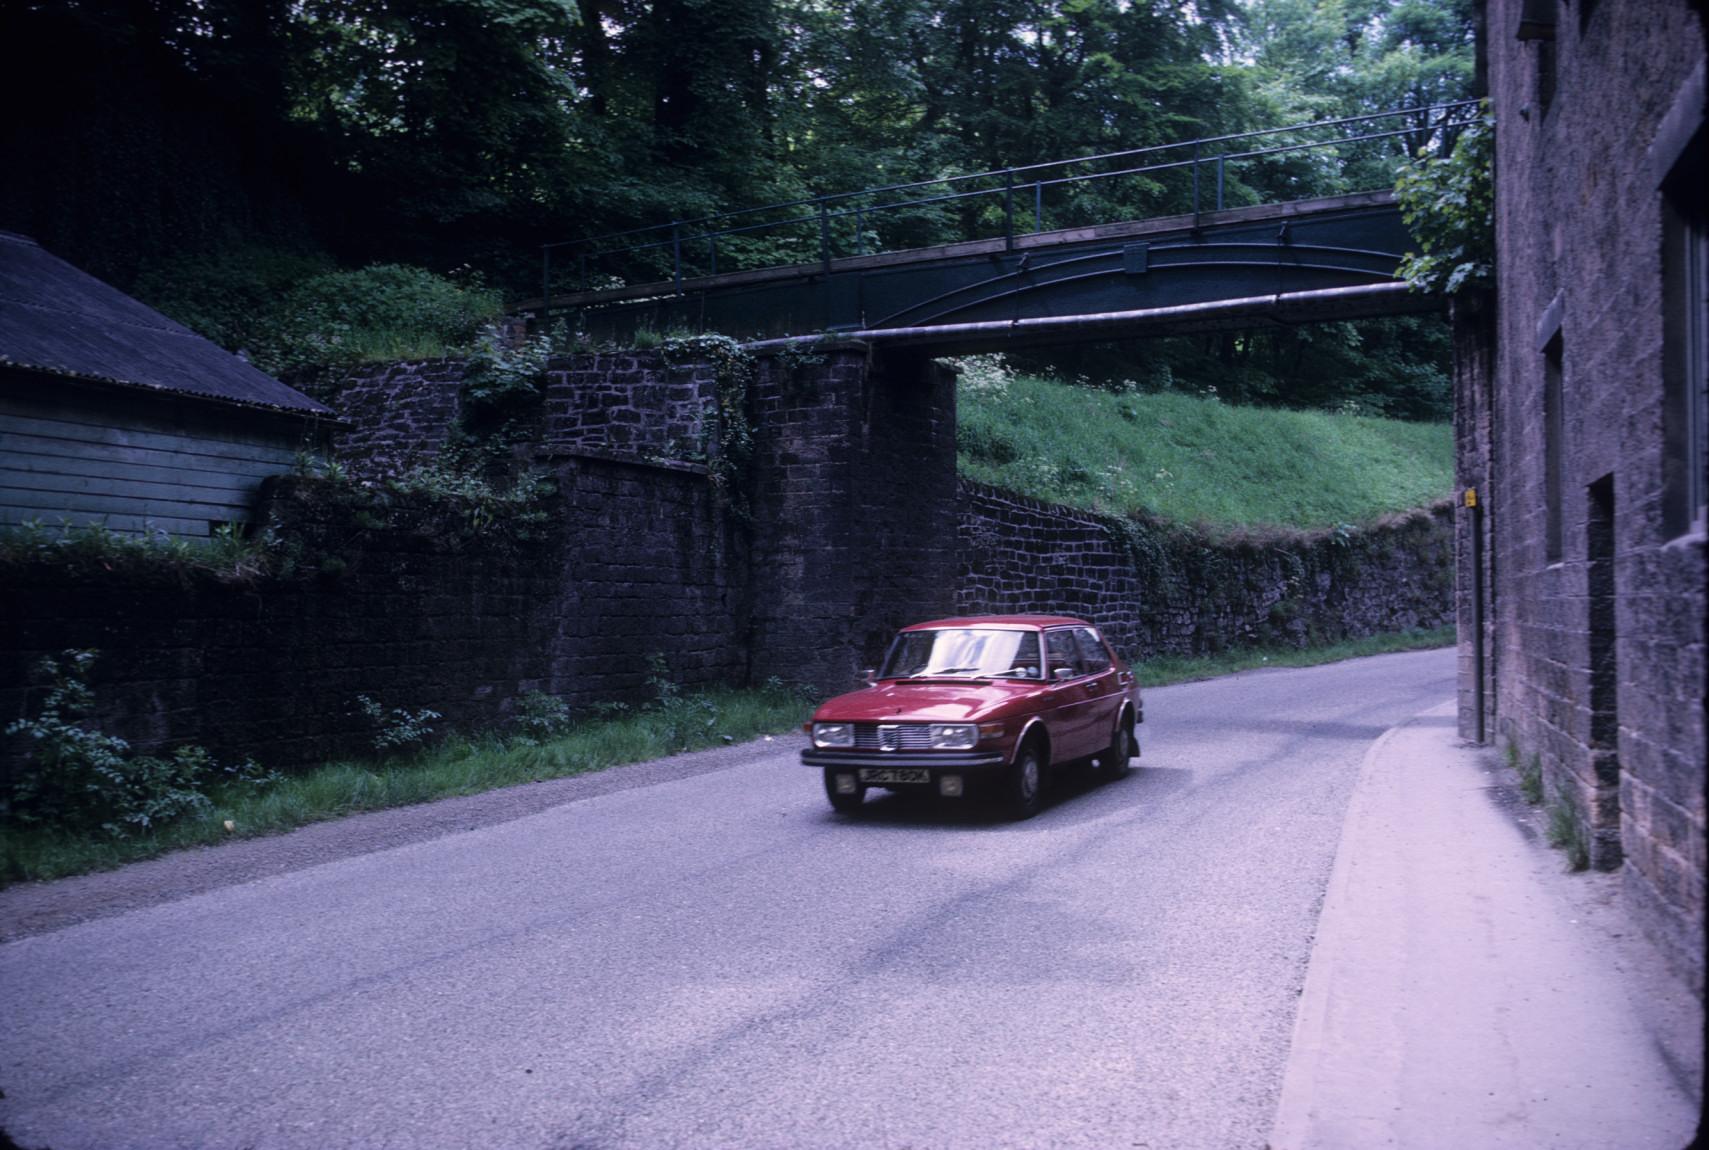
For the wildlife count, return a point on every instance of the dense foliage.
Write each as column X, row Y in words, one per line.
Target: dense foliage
column 1449, row 203
column 222, row 158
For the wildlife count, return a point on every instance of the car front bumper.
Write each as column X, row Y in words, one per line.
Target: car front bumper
column 938, row 762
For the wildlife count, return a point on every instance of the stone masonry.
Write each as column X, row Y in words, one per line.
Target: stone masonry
column 1587, row 445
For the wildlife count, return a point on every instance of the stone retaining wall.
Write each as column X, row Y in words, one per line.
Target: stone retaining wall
column 1156, row 589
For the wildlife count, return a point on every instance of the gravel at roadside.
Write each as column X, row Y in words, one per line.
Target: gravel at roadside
column 40, row 907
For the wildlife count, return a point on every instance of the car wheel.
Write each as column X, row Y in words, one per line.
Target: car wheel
column 844, row 802
column 1113, row 763
column 1023, row 786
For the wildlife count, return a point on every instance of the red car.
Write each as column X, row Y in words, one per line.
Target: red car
column 991, row 703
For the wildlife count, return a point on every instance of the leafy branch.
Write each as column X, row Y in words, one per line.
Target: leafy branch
column 1449, row 203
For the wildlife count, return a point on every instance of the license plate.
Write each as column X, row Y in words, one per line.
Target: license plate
column 884, row 775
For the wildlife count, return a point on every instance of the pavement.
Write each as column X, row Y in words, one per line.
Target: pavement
column 1466, row 991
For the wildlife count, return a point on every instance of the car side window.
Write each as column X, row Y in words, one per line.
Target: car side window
column 1092, row 654
column 1062, row 652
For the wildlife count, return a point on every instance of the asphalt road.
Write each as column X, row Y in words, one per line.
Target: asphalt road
column 715, row 960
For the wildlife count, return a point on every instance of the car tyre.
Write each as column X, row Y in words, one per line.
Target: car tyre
column 1114, row 763
column 841, row 803
column 1023, row 784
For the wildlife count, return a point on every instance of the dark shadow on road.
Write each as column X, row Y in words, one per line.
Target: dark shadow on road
column 1073, row 796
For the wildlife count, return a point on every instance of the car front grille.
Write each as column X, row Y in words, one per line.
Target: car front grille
column 892, row 737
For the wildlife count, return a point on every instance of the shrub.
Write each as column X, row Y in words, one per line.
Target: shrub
column 680, row 719
column 230, row 554
column 78, row 779
column 1449, row 203
column 396, row 729
column 231, row 296
column 541, row 716
column 386, row 311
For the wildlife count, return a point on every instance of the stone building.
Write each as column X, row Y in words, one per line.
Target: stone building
column 1581, row 438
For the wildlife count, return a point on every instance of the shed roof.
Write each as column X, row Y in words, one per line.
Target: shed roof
column 57, row 319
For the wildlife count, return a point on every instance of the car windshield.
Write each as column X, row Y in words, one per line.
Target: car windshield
column 963, row 653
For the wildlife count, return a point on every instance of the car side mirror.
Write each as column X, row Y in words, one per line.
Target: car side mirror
column 1062, row 673
column 870, row 675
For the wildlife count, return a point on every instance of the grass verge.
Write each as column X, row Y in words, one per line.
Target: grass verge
column 1162, row 671
column 458, row 766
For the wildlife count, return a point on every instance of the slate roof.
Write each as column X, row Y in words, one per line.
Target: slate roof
column 57, row 319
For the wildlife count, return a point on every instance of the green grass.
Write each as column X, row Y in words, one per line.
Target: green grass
column 459, row 766
column 1160, row 672
column 1195, row 460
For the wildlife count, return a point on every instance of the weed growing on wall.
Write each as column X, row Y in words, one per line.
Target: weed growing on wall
column 1145, row 544
column 730, row 446
column 1531, row 779
column 500, row 377
column 77, row 779
column 1566, row 833
column 481, row 509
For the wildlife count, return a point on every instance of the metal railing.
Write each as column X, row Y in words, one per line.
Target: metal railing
column 1208, row 159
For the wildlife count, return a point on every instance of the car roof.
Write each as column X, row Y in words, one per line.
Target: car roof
column 1026, row 622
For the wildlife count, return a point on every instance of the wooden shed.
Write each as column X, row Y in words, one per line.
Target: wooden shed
column 112, row 413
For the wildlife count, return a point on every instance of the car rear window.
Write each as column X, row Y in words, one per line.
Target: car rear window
column 1093, row 657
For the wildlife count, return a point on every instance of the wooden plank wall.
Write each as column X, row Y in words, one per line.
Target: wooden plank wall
column 84, row 457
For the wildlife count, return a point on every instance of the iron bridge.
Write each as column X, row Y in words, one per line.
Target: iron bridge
column 1211, row 266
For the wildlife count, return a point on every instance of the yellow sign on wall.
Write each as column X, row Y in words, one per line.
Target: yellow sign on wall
column 1471, row 497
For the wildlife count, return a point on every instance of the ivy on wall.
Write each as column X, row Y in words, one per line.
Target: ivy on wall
column 729, row 438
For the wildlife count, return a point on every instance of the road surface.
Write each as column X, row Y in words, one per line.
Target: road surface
column 716, row 960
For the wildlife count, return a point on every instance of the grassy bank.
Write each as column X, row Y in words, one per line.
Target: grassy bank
column 1192, row 459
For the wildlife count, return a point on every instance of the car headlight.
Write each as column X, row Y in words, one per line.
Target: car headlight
column 953, row 736
column 833, row 734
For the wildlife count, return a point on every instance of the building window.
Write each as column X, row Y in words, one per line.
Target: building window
column 1537, row 25
column 1685, row 344
column 1553, row 432
column 1546, row 69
